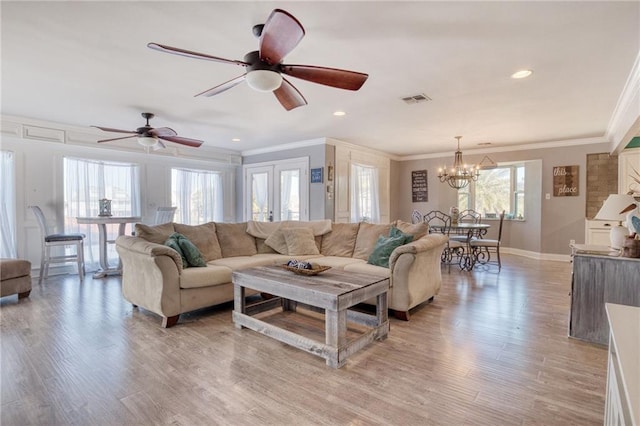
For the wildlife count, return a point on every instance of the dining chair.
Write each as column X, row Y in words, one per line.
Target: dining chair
column 58, row 240
column 416, row 217
column 440, row 222
column 483, row 247
column 468, row 216
column 164, row 215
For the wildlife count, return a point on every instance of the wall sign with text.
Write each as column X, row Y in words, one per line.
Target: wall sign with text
column 565, row 181
column 419, row 187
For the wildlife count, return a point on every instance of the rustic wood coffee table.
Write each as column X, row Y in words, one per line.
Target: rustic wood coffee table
column 334, row 292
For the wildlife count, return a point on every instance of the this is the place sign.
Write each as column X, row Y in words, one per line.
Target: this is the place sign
column 565, row 181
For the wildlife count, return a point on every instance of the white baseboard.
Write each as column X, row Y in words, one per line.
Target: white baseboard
column 535, row 255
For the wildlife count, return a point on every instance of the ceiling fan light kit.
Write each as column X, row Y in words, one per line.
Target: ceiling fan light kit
column 147, row 140
column 264, row 80
column 460, row 174
column 278, row 36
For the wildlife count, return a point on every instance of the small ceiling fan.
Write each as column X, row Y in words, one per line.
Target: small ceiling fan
column 149, row 137
column 278, row 36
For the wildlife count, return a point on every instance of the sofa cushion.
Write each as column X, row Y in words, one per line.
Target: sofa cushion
column 366, row 268
column 368, row 234
column 234, row 240
column 300, row 241
column 334, row 261
column 204, row 237
column 205, row 277
column 154, row 234
column 418, row 230
column 341, row 240
column 383, row 248
column 242, row 262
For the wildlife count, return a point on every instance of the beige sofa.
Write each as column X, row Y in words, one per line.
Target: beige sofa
column 155, row 279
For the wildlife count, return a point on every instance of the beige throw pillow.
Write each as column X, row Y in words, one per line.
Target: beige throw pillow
column 277, row 242
column 300, row 241
column 341, row 240
column 418, row 230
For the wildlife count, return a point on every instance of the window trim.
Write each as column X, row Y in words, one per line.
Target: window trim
column 513, row 190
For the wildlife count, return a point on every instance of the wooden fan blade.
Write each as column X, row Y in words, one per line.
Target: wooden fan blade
column 163, row 131
column 182, row 141
column 195, row 55
column 280, row 35
column 224, row 86
column 289, row 96
column 109, row 129
column 334, row 77
column 117, row 139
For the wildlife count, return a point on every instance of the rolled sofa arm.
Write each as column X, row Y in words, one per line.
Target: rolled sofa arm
column 415, row 271
column 150, row 275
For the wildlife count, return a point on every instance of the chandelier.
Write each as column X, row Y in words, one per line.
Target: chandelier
column 460, row 174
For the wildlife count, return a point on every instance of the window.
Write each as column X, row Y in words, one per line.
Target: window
column 365, row 205
column 85, row 183
column 496, row 190
column 7, row 205
column 198, row 196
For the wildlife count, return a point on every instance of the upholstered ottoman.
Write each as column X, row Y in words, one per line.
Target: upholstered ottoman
column 15, row 277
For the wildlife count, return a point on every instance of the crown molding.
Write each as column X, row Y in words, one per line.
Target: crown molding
column 511, row 148
column 28, row 129
column 625, row 120
column 283, row 147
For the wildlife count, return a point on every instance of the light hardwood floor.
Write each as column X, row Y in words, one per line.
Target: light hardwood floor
column 491, row 349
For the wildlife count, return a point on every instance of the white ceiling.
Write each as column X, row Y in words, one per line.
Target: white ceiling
column 86, row 63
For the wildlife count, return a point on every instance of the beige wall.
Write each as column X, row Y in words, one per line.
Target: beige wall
column 549, row 224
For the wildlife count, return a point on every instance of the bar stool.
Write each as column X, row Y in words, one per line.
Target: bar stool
column 58, row 240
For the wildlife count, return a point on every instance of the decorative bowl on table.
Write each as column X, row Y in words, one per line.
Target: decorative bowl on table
column 304, row 268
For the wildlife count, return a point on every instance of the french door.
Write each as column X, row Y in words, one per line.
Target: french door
column 277, row 191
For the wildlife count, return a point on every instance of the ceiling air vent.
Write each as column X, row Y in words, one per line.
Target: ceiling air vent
column 416, row 99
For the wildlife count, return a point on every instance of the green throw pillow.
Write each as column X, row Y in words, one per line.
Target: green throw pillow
column 190, row 254
column 383, row 248
column 395, row 232
column 172, row 242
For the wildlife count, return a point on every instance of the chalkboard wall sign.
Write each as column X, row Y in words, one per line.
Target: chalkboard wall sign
column 565, row 181
column 316, row 175
column 419, row 186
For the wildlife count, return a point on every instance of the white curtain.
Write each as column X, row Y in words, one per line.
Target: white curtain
column 7, row 205
column 365, row 204
column 260, row 185
column 290, row 194
column 85, row 183
column 198, row 196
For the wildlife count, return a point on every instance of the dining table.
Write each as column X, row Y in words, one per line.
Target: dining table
column 466, row 231
column 102, row 222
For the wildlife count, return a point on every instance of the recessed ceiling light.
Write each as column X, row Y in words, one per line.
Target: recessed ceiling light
column 339, row 113
column 235, row 140
column 521, row 74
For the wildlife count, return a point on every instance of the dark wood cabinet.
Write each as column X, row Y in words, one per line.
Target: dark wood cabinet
column 597, row 280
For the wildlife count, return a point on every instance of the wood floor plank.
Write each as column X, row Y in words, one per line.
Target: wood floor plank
column 490, row 349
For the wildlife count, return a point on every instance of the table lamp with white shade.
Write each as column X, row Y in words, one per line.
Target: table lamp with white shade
column 615, row 207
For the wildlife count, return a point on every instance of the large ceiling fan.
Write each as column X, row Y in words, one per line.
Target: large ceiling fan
column 278, row 36
column 149, row 137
